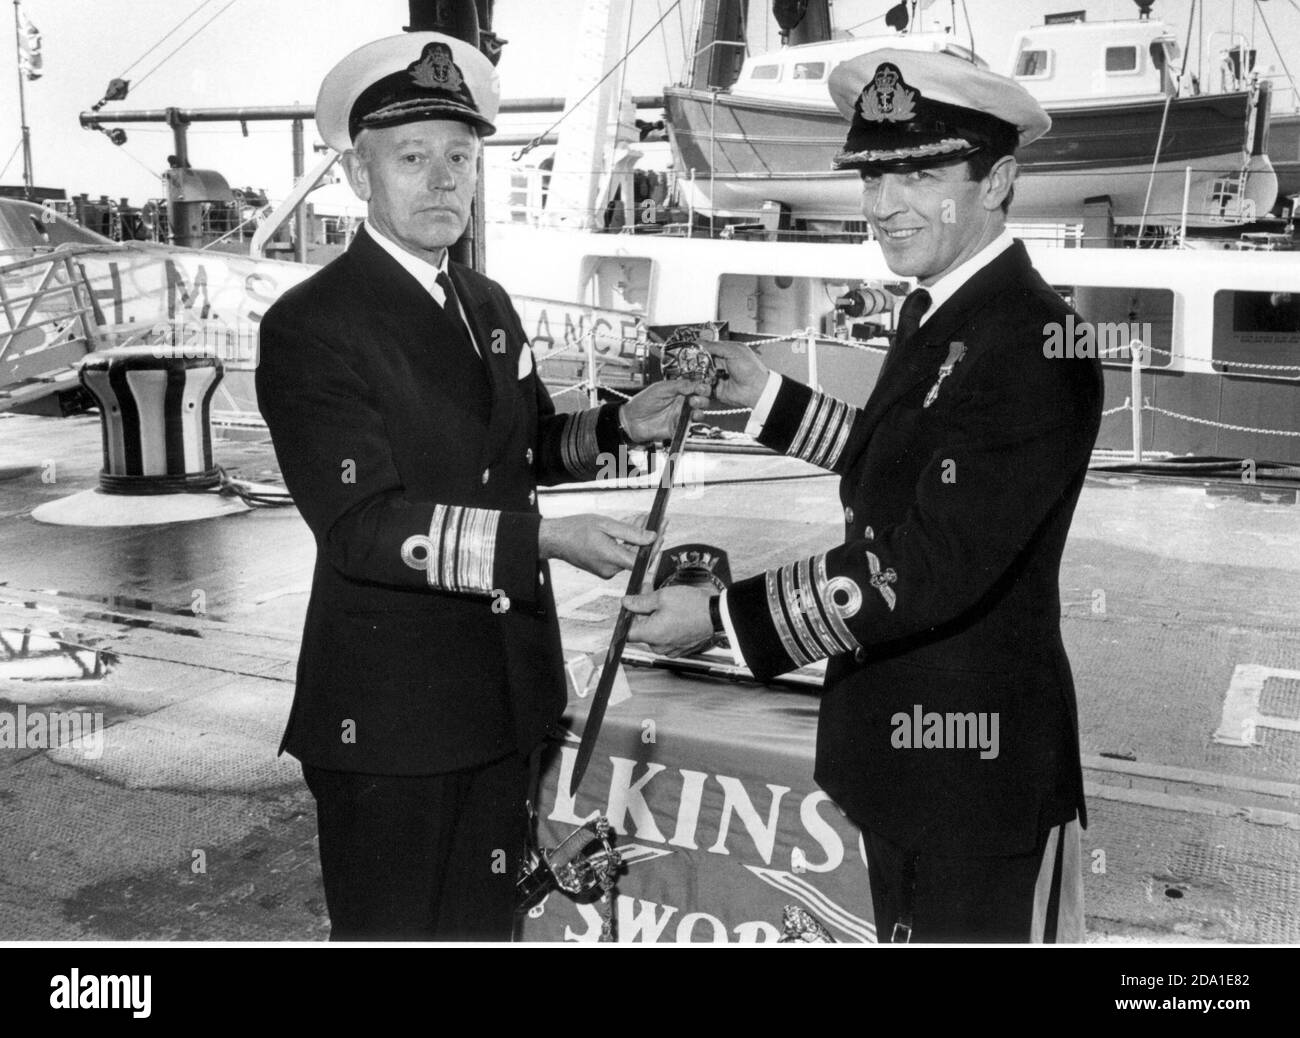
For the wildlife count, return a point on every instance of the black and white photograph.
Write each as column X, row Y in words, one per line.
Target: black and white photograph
column 499, row 473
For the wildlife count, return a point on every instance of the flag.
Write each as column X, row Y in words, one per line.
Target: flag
column 30, row 61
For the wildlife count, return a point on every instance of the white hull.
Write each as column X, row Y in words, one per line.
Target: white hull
column 1056, row 197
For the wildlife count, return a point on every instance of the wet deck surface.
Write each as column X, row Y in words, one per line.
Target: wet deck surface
column 1177, row 599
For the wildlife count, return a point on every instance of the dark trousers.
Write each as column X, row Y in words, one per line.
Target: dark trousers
column 953, row 900
column 421, row 857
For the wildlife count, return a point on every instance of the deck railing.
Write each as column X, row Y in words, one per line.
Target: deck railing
column 47, row 325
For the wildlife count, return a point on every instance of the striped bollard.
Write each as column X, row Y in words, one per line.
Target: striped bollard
column 154, row 415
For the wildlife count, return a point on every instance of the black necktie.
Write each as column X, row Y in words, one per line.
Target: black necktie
column 452, row 308
column 909, row 317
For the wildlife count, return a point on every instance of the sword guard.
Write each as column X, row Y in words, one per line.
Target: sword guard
column 582, row 866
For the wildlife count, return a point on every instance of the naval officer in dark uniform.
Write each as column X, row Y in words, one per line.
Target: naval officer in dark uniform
column 948, row 729
column 413, row 431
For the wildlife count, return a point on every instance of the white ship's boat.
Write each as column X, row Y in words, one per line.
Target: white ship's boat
column 1124, row 135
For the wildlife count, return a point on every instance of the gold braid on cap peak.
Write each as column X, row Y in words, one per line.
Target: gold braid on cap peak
column 943, row 147
column 414, row 105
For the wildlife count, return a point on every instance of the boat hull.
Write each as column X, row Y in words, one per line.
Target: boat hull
column 743, row 152
column 1284, row 152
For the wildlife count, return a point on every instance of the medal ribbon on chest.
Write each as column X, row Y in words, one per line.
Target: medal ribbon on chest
column 956, row 350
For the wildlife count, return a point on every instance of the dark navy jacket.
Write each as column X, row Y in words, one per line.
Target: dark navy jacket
column 945, row 594
column 431, row 641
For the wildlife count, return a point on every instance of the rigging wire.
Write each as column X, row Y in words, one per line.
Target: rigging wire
column 681, row 25
column 970, row 33
column 614, row 68
column 859, row 25
column 1269, row 29
column 11, row 157
column 622, row 78
column 663, row 34
column 1200, row 49
column 139, row 162
column 181, row 46
column 163, row 39
column 1164, row 117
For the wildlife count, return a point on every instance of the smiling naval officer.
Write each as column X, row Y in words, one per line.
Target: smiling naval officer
column 413, row 431
column 939, row 615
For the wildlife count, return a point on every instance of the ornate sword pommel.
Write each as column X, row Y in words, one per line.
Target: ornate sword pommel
column 684, row 357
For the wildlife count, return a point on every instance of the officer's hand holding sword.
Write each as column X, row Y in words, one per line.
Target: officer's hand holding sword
column 676, row 618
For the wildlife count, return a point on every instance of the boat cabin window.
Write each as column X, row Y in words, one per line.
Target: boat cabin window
column 810, row 70
column 1033, row 64
column 1112, row 318
column 766, row 72
column 1121, row 59
column 1256, row 328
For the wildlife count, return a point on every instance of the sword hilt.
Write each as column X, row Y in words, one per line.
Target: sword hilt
column 683, row 357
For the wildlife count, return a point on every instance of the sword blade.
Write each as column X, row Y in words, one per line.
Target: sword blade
column 605, row 684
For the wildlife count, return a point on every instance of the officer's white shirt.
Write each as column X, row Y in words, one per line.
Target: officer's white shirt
column 946, row 287
column 940, row 292
column 423, row 271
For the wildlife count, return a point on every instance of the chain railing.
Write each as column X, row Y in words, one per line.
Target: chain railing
column 1175, row 355
column 809, row 339
column 48, row 296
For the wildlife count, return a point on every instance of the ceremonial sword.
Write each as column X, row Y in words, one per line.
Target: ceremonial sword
column 682, row 358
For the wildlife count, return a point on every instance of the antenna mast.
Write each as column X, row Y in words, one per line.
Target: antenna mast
column 22, row 108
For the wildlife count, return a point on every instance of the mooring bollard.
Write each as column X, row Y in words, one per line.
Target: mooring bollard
column 154, row 416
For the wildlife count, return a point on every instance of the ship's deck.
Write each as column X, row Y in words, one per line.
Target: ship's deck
column 1181, row 608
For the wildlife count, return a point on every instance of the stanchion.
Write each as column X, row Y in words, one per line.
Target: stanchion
column 1135, row 392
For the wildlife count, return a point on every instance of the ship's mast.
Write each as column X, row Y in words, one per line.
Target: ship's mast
column 22, row 107
column 457, row 18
